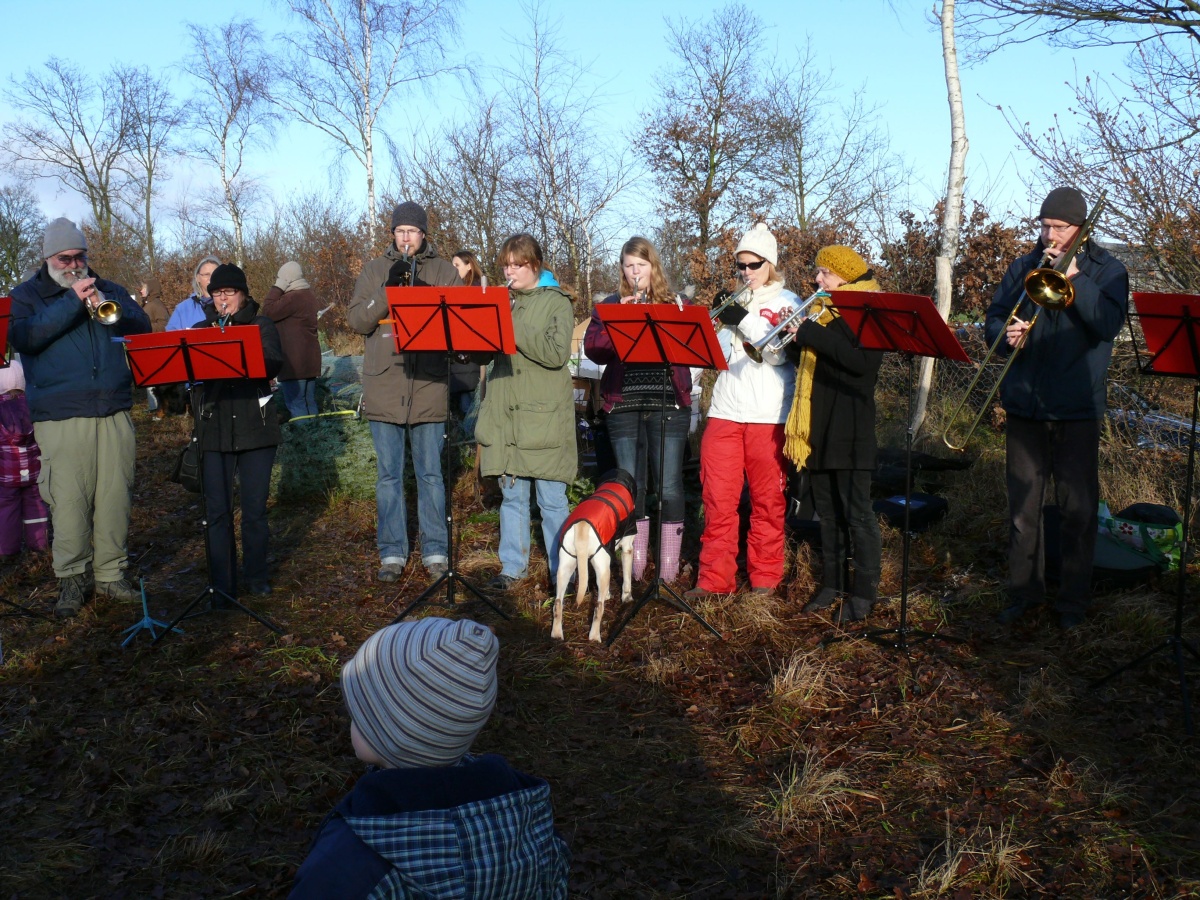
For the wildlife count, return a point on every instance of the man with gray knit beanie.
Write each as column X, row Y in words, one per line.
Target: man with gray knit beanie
column 80, row 392
column 428, row 818
column 404, row 397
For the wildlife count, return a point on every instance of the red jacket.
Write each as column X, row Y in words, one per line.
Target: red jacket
column 609, row 510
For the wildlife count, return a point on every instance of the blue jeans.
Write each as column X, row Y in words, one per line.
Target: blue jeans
column 300, row 396
column 392, row 535
column 514, row 522
column 624, row 431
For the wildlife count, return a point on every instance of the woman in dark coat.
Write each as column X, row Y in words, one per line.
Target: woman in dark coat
column 294, row 308
column 238, row 430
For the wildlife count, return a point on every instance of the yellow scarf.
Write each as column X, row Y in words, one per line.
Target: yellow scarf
column 797, row 432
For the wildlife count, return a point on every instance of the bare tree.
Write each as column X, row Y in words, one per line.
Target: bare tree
column 349, row 57
column 231, row 111
column 952, row 211
column 567, row 176
column 21, row 226
column 152, row 115
column 75, row 132
column 826, row 159
column 705, row 133
column 463, row 176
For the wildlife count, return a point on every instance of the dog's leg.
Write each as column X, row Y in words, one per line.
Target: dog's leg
column 625, row 549
column 602, row 563
column 567, row 560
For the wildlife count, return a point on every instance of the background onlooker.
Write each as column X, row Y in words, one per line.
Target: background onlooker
column 24, row 516
column 190, row 310
column 293, row 307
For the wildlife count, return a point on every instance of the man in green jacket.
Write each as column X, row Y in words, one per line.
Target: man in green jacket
column 404, row 396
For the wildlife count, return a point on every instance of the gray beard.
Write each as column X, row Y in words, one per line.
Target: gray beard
column 64, row 278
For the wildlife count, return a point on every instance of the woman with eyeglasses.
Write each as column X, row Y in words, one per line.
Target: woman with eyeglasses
column 636, row 409
column 238, row 427
column 743, row 437
column 526, row 427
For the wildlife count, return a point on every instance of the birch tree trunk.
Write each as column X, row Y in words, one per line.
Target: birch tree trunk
column 952, row 212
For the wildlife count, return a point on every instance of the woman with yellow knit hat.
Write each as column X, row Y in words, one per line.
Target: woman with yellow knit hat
column 831, row 432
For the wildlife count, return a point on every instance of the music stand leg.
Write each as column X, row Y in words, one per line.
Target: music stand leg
column 451, row 578
column 1175, row 642
column 19, row 610
column 656, row 588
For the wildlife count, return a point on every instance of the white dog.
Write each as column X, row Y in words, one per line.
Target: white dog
column 598, row 525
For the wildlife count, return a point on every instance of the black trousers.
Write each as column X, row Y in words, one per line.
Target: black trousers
column 1066, row 453
column 253, row 468
column 849, row 529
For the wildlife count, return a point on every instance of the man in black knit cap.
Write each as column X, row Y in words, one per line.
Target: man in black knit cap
column 1055, row 396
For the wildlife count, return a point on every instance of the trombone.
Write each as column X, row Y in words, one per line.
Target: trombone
column 779, row 337
column 1048, row 287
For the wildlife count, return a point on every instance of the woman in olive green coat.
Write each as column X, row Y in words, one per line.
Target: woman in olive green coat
column 526, row 427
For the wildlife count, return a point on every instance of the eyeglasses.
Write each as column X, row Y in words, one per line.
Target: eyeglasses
column 74, row 259
column 742, row 267
column 225, row 293
column 406, row 232
column 1058, row 228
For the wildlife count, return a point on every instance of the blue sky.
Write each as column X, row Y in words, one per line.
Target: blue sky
column 891, row 48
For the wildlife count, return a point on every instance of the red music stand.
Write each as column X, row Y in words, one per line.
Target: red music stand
column 668, row 335
column 5, row 319
column 450, row 320
column 1171, row 325
column 197, row 355
column 908, row 324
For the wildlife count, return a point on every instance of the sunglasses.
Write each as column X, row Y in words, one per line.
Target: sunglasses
column 73, row 260
column 754, row 267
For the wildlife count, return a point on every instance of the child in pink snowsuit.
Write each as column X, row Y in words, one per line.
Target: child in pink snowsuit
column 24, row 516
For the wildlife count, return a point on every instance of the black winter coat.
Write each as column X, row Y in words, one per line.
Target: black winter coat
column 1062, row 372
column 232, row 414
column 843, row 396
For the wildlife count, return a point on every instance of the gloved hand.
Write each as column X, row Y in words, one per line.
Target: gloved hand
column 732, row 315
column 398, row 274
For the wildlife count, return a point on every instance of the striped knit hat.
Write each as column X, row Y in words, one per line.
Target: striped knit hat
column 421, row 691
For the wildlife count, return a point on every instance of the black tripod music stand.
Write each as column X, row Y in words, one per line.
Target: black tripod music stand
column 200, row 355
column 1171, row 324
column 667, row 335
column 450, row 320
column 907, row 324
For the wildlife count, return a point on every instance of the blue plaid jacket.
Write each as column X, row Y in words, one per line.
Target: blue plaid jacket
column 480, row 829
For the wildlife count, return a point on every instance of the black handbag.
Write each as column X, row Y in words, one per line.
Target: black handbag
column 187, row 467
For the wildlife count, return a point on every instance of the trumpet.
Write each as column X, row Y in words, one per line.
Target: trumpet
column 106, row 312
column 1048, row 287
column 779, row 337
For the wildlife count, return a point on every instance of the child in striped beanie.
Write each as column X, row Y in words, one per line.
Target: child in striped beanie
column 428, row 814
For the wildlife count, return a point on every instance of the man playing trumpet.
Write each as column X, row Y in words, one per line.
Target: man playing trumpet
column 80, row 392
column 1055, row 395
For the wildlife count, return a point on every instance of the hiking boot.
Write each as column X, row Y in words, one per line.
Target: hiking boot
column 436, row 569
column 501, row 583
column 1069, row 619
column 120, row 589
column 258, row 588
column 698, row 593
column 70, row 596
column 823, row 600
column 390, row 572
column 854, row 609
column 1010, row 614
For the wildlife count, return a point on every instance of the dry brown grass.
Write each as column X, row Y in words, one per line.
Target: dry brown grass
column 809, row 789
column 988, row 862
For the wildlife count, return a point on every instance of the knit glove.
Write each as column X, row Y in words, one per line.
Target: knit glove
column 732, row 315
column 282, row 284
column 398, row 273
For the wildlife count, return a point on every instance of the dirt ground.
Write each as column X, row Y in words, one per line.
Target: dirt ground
column 771, row 763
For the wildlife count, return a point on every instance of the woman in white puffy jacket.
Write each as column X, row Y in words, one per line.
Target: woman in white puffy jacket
column 743, row 439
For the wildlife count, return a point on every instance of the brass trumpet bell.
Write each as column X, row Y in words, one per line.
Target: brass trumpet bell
column 107, row 312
